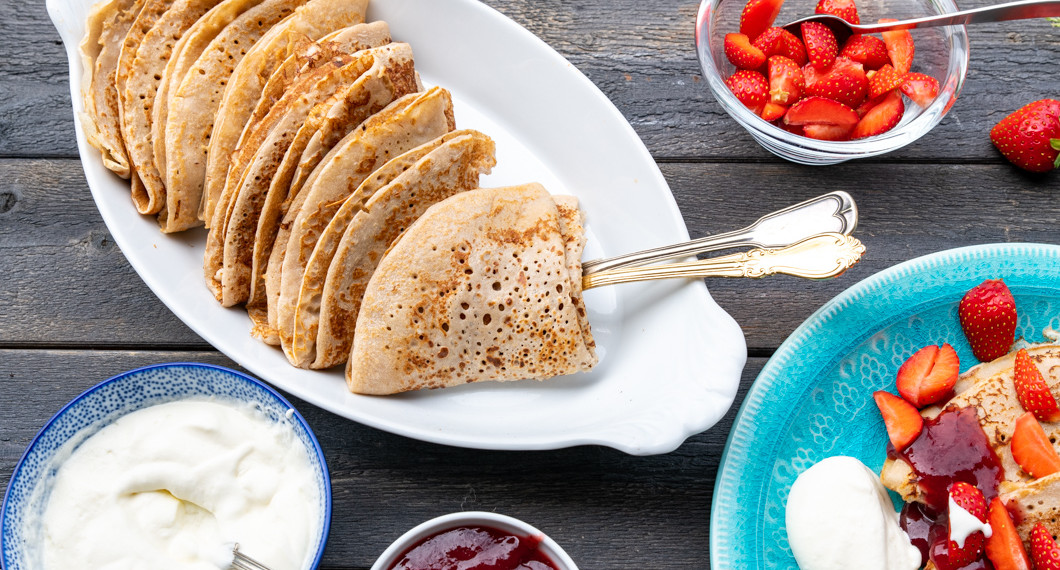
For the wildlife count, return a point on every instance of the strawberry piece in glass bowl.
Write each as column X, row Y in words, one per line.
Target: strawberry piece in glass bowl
column 917, row 76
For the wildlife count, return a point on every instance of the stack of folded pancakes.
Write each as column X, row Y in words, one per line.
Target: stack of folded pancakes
column 303, row 140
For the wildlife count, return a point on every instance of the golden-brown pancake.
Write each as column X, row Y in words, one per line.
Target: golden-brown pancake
column 476, row 289
column 364, row 227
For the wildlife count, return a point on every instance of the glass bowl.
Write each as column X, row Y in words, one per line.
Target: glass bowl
column 940, row 52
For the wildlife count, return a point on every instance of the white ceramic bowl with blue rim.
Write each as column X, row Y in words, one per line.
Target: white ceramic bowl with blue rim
column 120, row 395
column 451, row 521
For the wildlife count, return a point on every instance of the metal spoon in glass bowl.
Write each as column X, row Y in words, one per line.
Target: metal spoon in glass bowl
column 1021, row 10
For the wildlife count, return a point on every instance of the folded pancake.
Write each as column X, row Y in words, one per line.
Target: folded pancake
column 185, row 53
column 364, row 227
column 1035, row 502
column 107, row 25
column 144, row 76
column 151, row 11
column 478, row 288
column 405, row 124
column 373, row 80
column 194, row 104
column 573, row 230
column 990, row 387
column 313, row 21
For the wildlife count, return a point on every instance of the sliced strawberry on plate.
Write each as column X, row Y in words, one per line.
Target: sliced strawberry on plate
column 786, row 81
column 864, row 108
column 1044, row 549
column 1004, row 548
column 844, row 81
column 757, row 16
column 751, row 88
column 1031, row 448
column 922, row 89
column 928, row 376
column 821, row 46
column 881, row 118
column 1033, row 393
column 900, row 47
column 843, row 8
column 869, row 51
column 963, row 550
column 741, row 53
column 902, row 420
column 884, row 80
column 773, row 112
column 988, row 318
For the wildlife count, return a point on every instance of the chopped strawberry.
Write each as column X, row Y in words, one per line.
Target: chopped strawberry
column 843, row 8
column 881, row 118
column 922, row 89
column 869, row 51
column 968, row 550
column 773, row 112
column 1004, row 548
column 820, row 111
column 988, row 318
column 741, row 53
column 1044, row 549
column 902, row 420
column 827, row 132
column 900, row 47
column 868, row 104
column 1033, row 393
column 1031, row 448
column 785, row 80
column 751, row 88
column 757, row 16
column 844, row 81
column 884, row 80
column 821, row 46
column 778, row 41
column 928, row 376
column 1030, row 137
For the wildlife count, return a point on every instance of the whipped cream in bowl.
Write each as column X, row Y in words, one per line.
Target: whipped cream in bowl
column 168, row 467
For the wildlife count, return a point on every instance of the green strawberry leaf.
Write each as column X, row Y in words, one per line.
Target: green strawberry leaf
column 1054, row 21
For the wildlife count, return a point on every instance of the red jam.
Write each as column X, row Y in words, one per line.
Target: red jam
column 951, row 448
column 475, row 548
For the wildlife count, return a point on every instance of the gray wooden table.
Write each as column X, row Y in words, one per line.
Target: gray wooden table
column 73, row 312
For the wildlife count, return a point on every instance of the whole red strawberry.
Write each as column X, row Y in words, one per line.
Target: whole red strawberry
column 988, row 318
column 1030, row 137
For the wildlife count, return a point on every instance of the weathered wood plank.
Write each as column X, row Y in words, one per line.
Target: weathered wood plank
column 48, row 221
column 640, row 54
column 607, row 509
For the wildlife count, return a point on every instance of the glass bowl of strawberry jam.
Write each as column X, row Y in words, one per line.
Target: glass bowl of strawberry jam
column 474, row 541
column 862, row 125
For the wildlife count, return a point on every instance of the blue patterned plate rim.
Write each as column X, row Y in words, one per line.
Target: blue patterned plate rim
column 910, row 287
column 326, row 521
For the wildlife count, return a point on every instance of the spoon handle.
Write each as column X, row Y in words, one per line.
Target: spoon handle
column 832, row 212
column 1021, row 10
column 819, row 257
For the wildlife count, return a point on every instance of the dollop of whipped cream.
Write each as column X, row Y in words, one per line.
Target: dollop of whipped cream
column 964, row 524
column 840, row 516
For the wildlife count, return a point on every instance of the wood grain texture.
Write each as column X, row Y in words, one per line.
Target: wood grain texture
column 607, row 509
column 48, row 221
column 640, row 54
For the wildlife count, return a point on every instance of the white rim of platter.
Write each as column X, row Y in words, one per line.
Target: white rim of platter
column 670, row 357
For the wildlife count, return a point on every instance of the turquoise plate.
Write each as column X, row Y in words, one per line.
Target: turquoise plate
column 813, row 399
